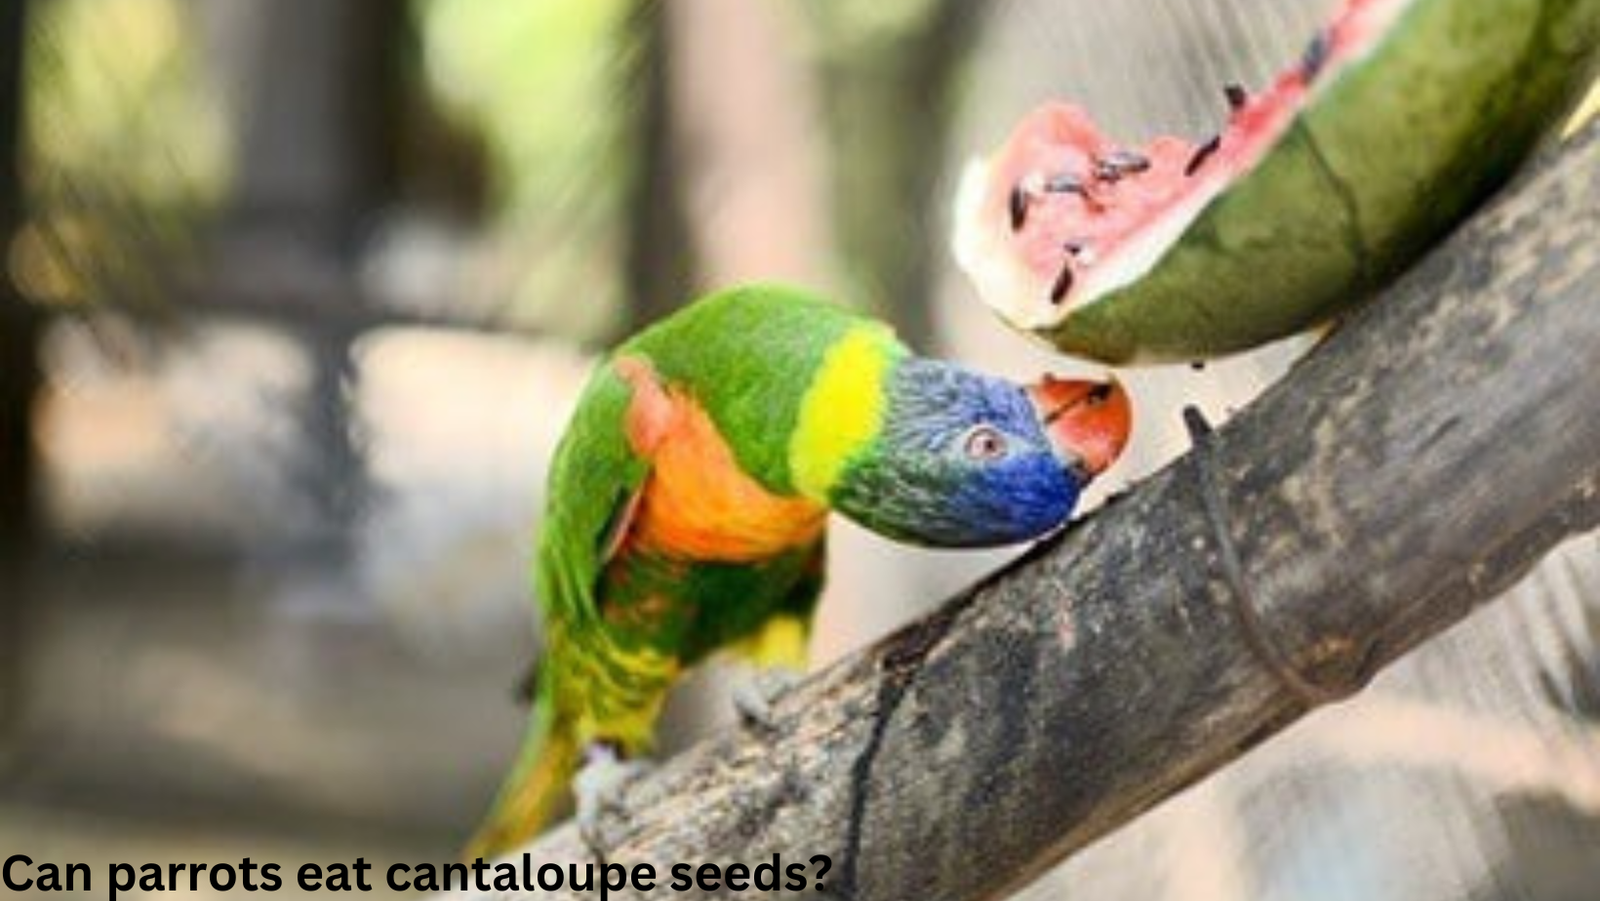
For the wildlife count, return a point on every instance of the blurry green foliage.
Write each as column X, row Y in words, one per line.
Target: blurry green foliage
column 846, row 30
column 125, row 152
column 116, row 91
column 129, row 149
column 547, row 84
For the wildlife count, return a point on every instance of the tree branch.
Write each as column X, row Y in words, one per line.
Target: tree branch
column 1411, row 468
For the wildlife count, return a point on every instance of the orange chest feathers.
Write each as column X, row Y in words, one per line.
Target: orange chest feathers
column 697, row 503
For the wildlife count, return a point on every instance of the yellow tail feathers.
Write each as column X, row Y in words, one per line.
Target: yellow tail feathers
column 536, row 793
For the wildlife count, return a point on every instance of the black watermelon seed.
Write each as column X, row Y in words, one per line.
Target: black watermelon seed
column 1315, row 56
column 1063, row 283
column 1064, row 184
column 1201, row 154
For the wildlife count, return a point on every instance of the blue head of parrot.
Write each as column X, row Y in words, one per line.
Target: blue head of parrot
column 969, row 460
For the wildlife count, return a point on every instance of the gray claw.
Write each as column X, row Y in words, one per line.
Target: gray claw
column 753, row 699
column 598, row 787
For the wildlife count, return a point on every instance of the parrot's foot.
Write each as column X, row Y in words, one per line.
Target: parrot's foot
column 753, row 699
column 597, row 788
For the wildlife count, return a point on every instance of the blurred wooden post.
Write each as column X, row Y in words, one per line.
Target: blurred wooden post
column 312, row 97
column 18, row 364
column 889, row 105
column 310, row 89
column 660, row 269
column 19, row 369
column 748, row 143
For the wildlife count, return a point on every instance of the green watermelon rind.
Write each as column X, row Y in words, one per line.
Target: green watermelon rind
column 1388, row 155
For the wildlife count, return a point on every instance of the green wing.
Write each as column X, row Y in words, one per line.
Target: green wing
column 594, row 485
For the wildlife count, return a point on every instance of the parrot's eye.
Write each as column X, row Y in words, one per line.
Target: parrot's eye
column 984, row 442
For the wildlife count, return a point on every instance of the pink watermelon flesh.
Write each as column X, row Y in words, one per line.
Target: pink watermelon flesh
column 1065, row 213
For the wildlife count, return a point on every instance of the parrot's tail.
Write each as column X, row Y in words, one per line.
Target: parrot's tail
column 536, row 793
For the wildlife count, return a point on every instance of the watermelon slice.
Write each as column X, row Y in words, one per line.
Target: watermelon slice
column 1399, row 117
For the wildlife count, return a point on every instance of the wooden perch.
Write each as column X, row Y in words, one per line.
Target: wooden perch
column 1411, row 468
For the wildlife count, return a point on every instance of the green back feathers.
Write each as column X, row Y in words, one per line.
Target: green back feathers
column 591, row 478
column 726, row 347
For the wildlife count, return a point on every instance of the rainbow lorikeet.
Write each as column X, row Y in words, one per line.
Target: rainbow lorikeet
column 688, row 503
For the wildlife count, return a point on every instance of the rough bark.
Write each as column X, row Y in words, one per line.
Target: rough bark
column 1411, row 468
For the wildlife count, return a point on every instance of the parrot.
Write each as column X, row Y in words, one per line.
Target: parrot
column 687, row 504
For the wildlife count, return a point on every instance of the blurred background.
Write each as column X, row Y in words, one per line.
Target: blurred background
column 297, row 294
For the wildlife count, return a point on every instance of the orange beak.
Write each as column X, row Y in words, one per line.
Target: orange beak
column 1088, row 422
